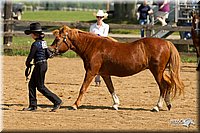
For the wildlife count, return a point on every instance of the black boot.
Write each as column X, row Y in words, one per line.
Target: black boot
column 56, row 107
column 30, row 109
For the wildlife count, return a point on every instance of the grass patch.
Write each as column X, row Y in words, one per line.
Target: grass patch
column 69, row 54
column 25, row 52
column 16, row 52
column 70, row 16
column 27, row 41
column 124, row 31
column 188, row 58
column 21, row 47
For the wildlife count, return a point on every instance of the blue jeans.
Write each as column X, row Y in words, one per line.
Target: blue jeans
column 142, row 22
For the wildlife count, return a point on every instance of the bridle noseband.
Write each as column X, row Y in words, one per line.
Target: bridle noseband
column 65, row 41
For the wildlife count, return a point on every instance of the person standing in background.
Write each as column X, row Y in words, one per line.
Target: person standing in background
column 101, row 29
column 143, row 11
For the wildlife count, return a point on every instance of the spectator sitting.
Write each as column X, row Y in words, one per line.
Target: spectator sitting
column 163, row 11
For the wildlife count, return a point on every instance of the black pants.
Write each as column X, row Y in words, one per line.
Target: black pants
column 37, row 81
column 97, row 79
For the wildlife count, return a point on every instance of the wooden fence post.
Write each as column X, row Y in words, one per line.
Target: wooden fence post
column 7, row 26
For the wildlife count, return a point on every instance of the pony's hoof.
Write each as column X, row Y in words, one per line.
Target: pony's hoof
column 169, row 106
column 115, row 106
column 155, row 109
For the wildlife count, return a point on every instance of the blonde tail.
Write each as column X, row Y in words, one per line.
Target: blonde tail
column 177, row 85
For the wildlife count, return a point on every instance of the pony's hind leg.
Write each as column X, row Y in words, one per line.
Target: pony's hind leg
column 109, row 84
column 158, row 72
column 168, row 92
column 159, row 104
column 167, row 100
column 164, row 86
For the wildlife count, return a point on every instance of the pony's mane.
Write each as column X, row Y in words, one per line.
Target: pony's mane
column 89, row 33
column 74, row 33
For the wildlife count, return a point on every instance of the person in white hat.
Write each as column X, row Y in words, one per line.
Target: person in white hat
column 100, row 28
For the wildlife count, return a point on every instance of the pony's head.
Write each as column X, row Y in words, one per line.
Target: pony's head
column 62, row 41
column 195, row 18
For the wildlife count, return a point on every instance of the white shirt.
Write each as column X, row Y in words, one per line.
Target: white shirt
column 100, row 30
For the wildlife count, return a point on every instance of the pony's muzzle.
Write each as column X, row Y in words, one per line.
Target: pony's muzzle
column 54, row 51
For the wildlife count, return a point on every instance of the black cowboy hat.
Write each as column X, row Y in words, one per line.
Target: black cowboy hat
column 34, row 28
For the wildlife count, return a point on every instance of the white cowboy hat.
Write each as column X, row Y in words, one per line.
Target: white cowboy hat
column 100, row 13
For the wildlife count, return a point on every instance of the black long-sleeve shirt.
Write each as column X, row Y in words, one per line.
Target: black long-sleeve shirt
column 143, row 10
column 38, row 52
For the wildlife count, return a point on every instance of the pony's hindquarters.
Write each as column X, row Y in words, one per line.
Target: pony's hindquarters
column 170, row 84
column 177, row 85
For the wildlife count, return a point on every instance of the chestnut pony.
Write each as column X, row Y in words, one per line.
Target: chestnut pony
column 195, row 30
column 106, row 57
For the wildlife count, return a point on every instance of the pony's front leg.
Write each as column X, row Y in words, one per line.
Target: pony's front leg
column 87, row 80
column 109, row 84
column 115, row 100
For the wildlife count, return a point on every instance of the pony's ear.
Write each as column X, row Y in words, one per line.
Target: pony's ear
column 65, row 29
column 56, row 33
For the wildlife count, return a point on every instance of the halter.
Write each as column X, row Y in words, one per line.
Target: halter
column 197, row 30
column 64, row 40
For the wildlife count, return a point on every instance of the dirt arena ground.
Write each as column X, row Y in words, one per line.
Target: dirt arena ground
column 138, row 94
